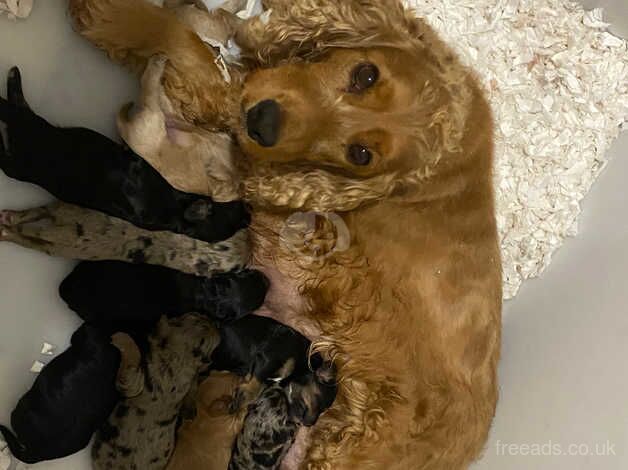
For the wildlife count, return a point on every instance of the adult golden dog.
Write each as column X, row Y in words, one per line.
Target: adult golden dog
column 355, row 107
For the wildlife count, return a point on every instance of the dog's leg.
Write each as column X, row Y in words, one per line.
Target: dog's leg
column 130, row 379
column 128, row 30
column 132, row 31
column 151, row 82
column 74, row 232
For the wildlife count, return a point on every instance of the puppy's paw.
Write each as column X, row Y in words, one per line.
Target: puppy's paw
column 156, row 66
column 130, row 382
column 7, row 218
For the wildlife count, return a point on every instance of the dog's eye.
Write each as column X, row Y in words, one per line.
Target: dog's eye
column 363, row 77
column 359, row 155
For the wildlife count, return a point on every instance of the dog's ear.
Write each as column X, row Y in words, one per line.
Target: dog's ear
column 305, row 29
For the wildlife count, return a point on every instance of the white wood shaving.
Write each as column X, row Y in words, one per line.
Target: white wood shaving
column 253, row 8
column 16, row 8
column 48, row 349
column 37, row 367
column 558, row 85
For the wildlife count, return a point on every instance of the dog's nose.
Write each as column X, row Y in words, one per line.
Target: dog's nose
column 262, row 122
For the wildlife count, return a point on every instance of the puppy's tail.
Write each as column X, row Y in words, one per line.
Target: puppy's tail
column 131, row 31
column 17, row 448
column 15, row 95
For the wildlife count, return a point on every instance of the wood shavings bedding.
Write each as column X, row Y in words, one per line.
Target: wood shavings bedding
column 558, row 85
column 16, row 8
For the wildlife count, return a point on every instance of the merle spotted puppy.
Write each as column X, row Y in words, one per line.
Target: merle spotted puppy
column 268, row 433
column 82, row 167
column 140, row 433
column 265, row 351
column 118, row 296
column 70, row 399
column 69, row 231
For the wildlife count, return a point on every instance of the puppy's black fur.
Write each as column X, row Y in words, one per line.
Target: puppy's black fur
column 82, row 167
column 70, row 399
column 117, row 296
column 264, row 349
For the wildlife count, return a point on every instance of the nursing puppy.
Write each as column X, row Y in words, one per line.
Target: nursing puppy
column 80, row 166
column 256, row 436
column 140, row 433
column 267, row 435
column 119, row 296
column 195, row 160
column 70, row 399
column 265, row 352
column 70, row 231
column 206, row 442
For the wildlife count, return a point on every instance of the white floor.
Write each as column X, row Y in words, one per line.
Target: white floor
column 564, row 379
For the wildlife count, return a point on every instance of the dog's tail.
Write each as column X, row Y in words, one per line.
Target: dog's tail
column 18, row 450
column 131, row 31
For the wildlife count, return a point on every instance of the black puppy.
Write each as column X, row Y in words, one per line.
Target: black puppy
column 82, row 167
column 70, row 399
column 265, row 352
column 117, row 296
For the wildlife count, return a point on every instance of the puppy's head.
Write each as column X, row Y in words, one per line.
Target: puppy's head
column 89, row 337
column 310, row 394
column 233, row 295
column 212, row 221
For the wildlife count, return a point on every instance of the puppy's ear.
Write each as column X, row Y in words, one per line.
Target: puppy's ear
column 325, row 371
column 302, row 29
column 198, row 211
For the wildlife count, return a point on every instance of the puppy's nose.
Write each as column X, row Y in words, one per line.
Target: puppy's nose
column 262, row 122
